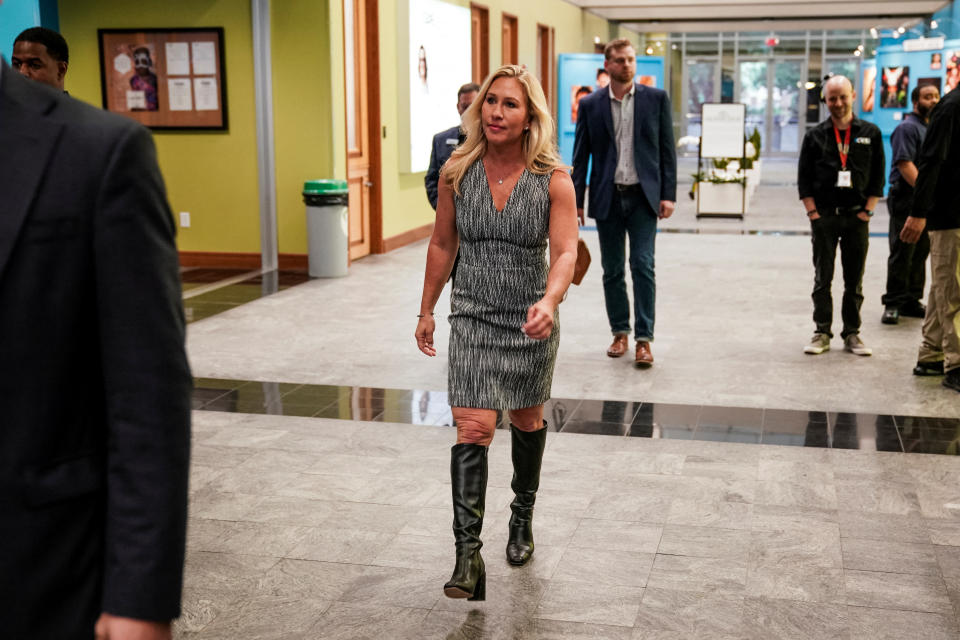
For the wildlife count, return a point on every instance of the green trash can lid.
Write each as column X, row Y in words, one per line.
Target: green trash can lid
column 324, row 187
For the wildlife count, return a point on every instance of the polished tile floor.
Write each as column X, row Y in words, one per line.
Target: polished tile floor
column 738, row 490
column 332, row 528
column 916, row 434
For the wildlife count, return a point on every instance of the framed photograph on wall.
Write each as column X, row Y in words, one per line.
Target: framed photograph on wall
column 165, row 78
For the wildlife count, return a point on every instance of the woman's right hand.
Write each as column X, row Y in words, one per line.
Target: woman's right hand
column 424, row 335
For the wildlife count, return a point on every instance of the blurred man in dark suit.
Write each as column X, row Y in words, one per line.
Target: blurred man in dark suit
column 94, row 381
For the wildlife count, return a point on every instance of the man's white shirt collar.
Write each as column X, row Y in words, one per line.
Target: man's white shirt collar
column 633, row 89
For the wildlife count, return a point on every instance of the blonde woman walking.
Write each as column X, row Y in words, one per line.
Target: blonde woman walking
column 502, row 196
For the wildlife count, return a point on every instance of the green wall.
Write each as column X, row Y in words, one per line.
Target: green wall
column 213, row 175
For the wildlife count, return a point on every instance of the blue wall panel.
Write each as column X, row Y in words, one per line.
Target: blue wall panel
column 576, row 70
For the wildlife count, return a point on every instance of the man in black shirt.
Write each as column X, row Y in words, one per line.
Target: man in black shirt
column 936, row 208
column 906, row 266
column 840, row 179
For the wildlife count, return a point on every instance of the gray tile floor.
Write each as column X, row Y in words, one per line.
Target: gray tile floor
column 322, row 528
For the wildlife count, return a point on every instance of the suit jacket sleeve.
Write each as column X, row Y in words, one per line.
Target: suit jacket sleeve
column 431, row 180
column 147, row 384
column 581, row 153
column 933, row 154
column 668, row 153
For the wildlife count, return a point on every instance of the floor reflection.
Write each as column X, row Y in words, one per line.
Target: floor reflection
column 612, row 418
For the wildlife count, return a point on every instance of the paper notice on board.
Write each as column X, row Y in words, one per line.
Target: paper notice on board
column 205, row 91
column 178, row 59
column 136, row 100
column 179, row 91
column 204, row 58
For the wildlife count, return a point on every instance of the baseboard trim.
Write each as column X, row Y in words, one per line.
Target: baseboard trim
column 407, row 237
column 249, row 261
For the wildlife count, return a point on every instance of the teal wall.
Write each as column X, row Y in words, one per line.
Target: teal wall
column 17, row 15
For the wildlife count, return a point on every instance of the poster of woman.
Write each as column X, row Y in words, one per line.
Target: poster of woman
column 893, row 94
column 869, row 89
column 953, row 72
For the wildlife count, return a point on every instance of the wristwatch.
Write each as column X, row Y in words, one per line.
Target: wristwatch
column 869, row 212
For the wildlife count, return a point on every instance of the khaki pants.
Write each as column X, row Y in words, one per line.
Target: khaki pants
column 941, row 326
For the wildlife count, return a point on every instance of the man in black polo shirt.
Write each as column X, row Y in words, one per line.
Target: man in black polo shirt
column 936, row 207
column 906, row 266
column 840, row 179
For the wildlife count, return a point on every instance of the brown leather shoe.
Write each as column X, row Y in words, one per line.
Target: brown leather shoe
column 644, row 357
column 619, row 346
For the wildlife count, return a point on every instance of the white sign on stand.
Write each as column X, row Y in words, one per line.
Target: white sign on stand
column 722, row 130
column 722, row 135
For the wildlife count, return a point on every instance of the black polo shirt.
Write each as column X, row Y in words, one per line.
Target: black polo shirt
column 905, row 143
column 820, row 163
column 937, row 192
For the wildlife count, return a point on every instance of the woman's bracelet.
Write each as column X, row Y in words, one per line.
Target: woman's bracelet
column 422, row 315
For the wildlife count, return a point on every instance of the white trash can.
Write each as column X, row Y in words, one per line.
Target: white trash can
column 327, row 227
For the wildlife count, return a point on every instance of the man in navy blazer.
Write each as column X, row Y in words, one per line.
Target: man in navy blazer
column 627, row 131
column 94, row 381
column 446, row 141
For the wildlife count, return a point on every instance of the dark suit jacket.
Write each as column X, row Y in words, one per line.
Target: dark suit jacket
column 654, row 155
column 443, row 145
column 94, row 382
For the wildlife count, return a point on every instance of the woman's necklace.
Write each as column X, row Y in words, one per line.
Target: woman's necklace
column 509, row 173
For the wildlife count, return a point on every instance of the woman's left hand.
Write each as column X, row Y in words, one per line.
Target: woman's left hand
column 539, row 324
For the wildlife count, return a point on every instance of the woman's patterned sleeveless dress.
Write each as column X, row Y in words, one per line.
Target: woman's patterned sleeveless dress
column 502, row 271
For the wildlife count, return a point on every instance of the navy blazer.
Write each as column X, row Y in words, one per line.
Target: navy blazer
column 443, row 145
column 654, row 154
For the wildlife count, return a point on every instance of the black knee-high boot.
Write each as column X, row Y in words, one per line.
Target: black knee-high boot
column 527, row 455
column 468, row 475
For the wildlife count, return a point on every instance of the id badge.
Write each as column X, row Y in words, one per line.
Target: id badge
column 844, row 179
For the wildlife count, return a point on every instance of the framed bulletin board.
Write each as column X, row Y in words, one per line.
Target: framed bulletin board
column 165, row 78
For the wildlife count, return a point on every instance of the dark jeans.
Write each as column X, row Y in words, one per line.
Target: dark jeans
column 630, row 217
column 907, row 264
column 852, row 235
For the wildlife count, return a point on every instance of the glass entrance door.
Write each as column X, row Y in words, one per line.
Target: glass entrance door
column 701, row 83
column 772, row 89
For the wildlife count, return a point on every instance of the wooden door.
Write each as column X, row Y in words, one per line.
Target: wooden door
column 509, row 41
column 362, row 77
column 545, row 39
column 480, row 42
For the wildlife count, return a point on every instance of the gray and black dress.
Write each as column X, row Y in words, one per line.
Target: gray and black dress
column 501, row 273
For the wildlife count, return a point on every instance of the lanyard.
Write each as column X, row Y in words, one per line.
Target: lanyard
column 844, row 148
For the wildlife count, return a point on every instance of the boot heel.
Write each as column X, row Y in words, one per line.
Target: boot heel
column 480, row 591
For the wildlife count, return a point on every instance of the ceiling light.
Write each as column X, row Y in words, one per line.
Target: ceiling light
column 649, row 51
column 873, row 33
column 934, row 24
column 659, row 44
column 856, row 52
column 860, row 47
column 596, row 39
column 674, row 47
column 809, row 85
column 901, row 29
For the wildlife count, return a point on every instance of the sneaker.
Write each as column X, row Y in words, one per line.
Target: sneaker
column 952, row 380
column 929, row 368
column 891, row 315
column 818, row 344
column 854, row 345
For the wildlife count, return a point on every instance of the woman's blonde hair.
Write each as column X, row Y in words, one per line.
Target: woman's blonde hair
column 539, row 142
